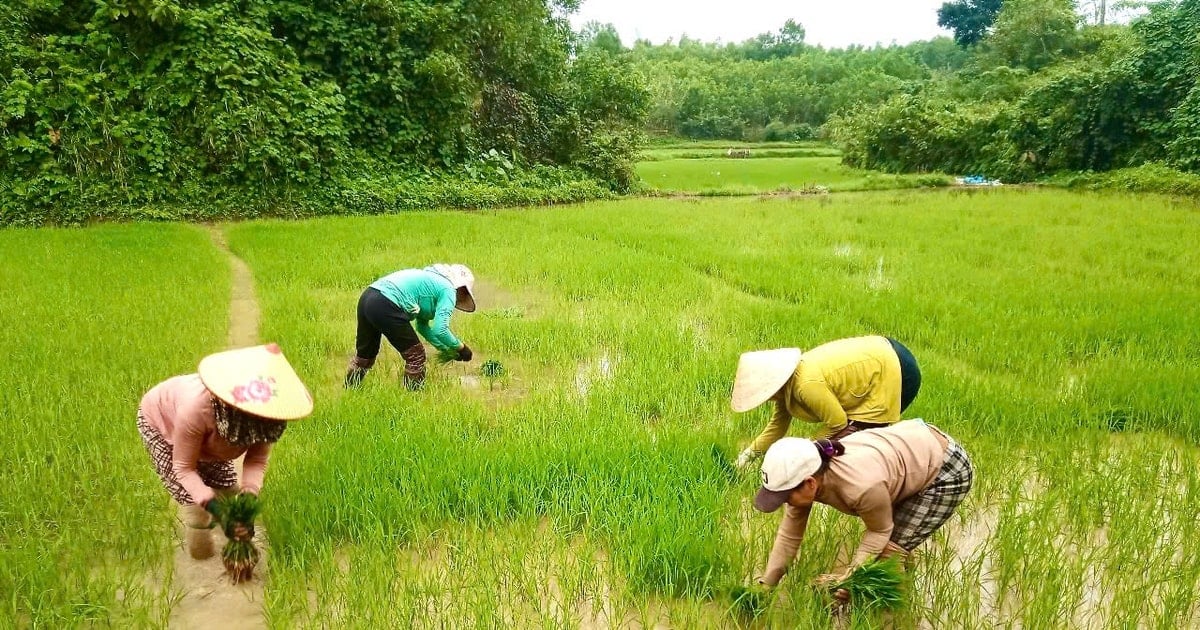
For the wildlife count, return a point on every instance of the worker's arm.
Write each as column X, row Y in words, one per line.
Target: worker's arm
column 191, row 428
column 826, row 408
column 787, row 543
column 775, row 429
column 254, row 467
column 875, row 510
column 438, row 331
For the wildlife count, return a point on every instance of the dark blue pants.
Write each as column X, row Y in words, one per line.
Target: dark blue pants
column 910, row 374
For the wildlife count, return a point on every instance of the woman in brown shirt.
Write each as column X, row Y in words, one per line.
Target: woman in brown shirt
column 904, row 481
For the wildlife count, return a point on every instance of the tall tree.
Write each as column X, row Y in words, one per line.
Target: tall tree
column 1033, row 33
column 969, row 19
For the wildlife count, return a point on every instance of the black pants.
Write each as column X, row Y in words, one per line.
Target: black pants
column 379, row 317
column 910, row 374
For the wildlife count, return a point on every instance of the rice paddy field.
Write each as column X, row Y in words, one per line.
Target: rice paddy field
column 589, row 485
column 700, row 172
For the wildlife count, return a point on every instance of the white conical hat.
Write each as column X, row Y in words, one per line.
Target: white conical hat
column 761, row 374
column 461, row 277
column 258, row 380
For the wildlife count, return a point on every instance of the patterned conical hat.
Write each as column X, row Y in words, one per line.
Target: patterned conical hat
column 257, row 380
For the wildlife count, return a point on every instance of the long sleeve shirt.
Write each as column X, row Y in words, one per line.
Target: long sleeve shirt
column 847, row 379
column 880, row 468
column 181, row 409
column 429, row 298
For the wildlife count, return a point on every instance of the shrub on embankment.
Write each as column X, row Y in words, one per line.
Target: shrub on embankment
column 182, row 109
column 1104, row 98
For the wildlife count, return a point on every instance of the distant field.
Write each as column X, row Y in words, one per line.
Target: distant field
column 756, row 152
column 726, row 176
column 677, row 143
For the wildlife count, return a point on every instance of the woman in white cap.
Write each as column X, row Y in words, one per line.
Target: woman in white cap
column 392, row 303
column 846, row 385
column 194, row 426
column 904, row 481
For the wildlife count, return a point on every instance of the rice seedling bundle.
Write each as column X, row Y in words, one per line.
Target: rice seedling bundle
column 750, row 601
column 877, row 585
column 236, row 517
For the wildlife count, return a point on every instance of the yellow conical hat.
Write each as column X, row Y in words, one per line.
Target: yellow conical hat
column 761, row 374
column 257, row 380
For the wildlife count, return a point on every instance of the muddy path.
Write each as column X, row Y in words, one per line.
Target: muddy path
column 205, row 596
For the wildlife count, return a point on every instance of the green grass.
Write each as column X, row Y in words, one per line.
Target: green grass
column 756, row 152
column 91, row 319
column 592, row 484
column 683, row 143
column 731, row 177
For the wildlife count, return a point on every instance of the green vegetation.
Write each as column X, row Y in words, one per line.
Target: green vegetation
column 876, row 586
column 723, row 176
column 175, row 109
column 1042, row 95
column 236, row 514
column 90, row 320
column 774, row 88
column 595, row 488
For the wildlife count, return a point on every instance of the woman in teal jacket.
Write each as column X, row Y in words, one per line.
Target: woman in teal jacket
column 392, row 304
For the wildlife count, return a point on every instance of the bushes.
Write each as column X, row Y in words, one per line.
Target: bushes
column 367, row 194
column 149, row 103
column 1132, row 97
column 1153, row 177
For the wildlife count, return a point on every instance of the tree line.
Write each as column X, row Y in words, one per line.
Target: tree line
column 1024, row 88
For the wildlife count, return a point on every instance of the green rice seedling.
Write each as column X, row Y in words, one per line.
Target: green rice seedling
column 493, row 371
column 723, row 462
column 875, row 586
column 749, row 601
column 236, row 515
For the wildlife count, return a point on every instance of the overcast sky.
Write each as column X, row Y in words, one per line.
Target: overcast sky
column 830, row 23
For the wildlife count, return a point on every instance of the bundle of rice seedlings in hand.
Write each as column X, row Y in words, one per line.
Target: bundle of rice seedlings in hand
column 750, row 601
column 446, row 356
column 236, row 515
column 876, row 585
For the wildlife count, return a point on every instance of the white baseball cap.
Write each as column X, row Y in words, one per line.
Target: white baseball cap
column 786, row 465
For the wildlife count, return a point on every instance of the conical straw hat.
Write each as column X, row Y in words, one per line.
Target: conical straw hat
column 761, row 374
column 257, row 380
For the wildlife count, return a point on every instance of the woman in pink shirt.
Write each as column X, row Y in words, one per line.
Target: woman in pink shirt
column 904, row 481
column 194, row 426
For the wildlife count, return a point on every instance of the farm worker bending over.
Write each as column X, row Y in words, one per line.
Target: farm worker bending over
column 847, row 385
column 194, row 426
column 904, row 481
column 389, row 306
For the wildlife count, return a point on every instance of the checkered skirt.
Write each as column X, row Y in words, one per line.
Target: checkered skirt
column 218, row 475
column 917, row 517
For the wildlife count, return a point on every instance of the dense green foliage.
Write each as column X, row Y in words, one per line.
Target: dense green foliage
column 774, row 87
column 1042, row 95
column 969, row 19
column 210, row 102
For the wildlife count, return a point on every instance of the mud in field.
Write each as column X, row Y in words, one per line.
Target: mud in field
column 598, row 370
column 243, row 306
column 494, row 300
column 207, row 598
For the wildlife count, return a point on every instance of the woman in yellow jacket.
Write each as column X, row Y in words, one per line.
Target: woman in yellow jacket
column 846, row 385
